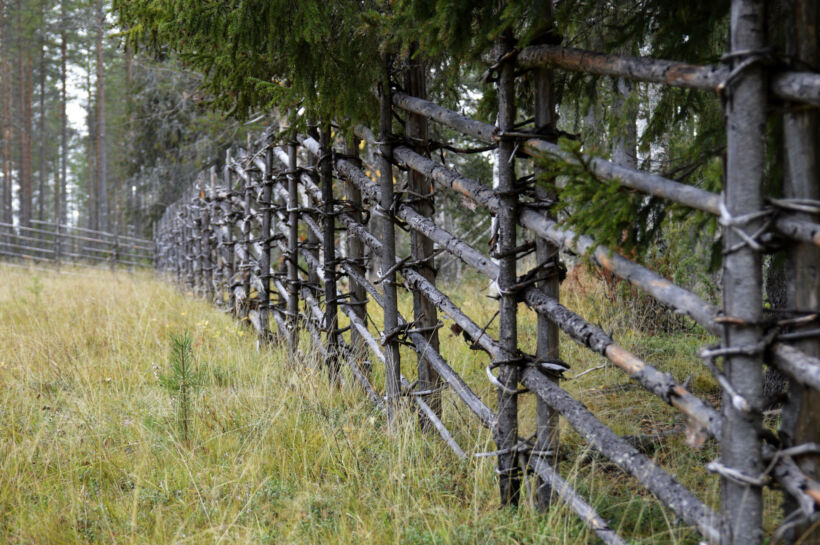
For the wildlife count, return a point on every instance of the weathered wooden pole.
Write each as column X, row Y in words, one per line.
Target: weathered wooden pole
column 230, row 218
column 506, row 431
column 355, row 253
column 247, row 261
column 214, row 231
column 546, row 253
column 331, row 317
column 742, row 294
column 801, row 414
column 425, row 315
column 293, row 250
column 311, row 249
column 388, row 258
column 265, row 204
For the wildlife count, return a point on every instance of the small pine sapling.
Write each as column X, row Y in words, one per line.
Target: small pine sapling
column 182, row 380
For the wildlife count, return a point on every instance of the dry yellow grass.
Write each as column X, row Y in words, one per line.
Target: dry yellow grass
column 90, row 453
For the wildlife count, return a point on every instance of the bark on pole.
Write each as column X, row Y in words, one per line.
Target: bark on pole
column 388, row 256
column 331, row 318
column 801, row 415
column 355, row 253
column 247, row 265
column 293, row 251
column 264, row 237
column 229, row 226
column 547, row 347
column 742, row 285
column 506, row 432
column 421, row 247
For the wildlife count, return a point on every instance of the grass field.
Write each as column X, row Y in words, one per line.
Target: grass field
column 91, row 449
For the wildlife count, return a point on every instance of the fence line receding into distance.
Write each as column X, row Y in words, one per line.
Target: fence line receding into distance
column 263, row 239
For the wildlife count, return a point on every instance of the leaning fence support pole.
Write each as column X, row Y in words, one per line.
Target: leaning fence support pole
column 547, row 257
column 742, row 299
column 506, row 432
column 801, row 413
column 388, row 257
column 293, row 250
column 265, row 204
column 331, row 319
column 421, row 247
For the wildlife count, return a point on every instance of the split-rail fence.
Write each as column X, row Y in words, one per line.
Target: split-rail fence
column 224, row 237
column 45, row 242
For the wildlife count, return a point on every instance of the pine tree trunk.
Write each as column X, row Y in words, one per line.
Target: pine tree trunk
column 102, row 174
column 60, row 199
column 6, row 123
column 41, row 133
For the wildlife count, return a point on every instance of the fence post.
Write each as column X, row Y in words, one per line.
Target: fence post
column 548, row 258
column 313, row 241
column 264, row 237
column 745, row 154
column 355, row 253
column 293, row 250
column 506, row 432
column 57, row 243
column 801, row 413
column 229, row 226
column 247, row 264
column 388, row 258
column 331, row 324
column 425, row 314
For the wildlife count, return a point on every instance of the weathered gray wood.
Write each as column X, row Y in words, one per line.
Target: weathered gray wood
column 421, row 247
column 506, row 431
column 740, row 443
column 625, row 456
column 265, row 203
column 331, row 319
column 293, row 251
column 801, row 413
column 388, row 256
column 230, row 242
column 798, row 86
column 550, row 479
column 635, row 179
column 355, row 252
column 547, row 339
column 673, row 73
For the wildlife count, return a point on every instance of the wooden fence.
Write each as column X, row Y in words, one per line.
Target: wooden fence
column 48, row 242
column 223, row 237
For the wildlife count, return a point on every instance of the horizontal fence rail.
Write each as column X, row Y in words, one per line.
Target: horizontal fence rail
column 47, row 242
column 286, row 236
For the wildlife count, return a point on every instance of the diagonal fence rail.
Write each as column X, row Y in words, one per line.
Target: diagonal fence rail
column 276, row 241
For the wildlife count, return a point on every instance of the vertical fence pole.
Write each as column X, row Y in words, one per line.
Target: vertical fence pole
column 425, row 314
column 388, row 257
column 801, row 413
column 313, row 241
column 230, row 218
column 355, row 253
column 214, row 239
column 746, row 121
column 57, row 242
column 331, row 324
column 506, row 432
column 264, row 237
column 247, row 263
column 547, row 348
column 293, row 250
